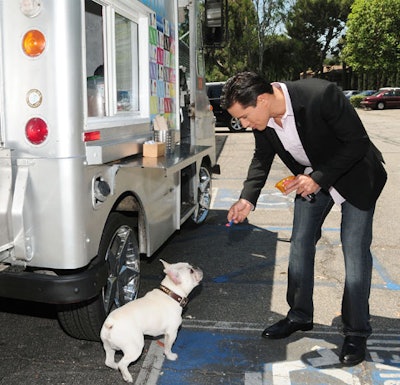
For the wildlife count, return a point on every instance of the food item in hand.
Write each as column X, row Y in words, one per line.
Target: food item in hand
column 281, row 184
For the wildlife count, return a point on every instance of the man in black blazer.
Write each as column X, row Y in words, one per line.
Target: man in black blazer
column 316, row 132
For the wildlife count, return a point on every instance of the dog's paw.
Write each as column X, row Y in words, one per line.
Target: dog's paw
column 127, row 377
column 171, row 356
column 111, row 364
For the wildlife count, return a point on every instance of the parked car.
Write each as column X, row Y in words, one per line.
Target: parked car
column 356, row 100
column 367, row 92
column 350, row 93
column 222, row 117
column 388, row 97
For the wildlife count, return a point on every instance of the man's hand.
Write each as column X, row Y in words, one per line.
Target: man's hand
column 239, row 211
column 303, row 185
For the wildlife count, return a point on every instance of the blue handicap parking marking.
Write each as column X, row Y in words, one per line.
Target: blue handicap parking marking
column 243, row 358
column 268, row 199
column 389, row 283
column 209, row 358
column 223, row 198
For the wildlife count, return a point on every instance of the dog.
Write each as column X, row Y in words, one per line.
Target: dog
column 158, row 312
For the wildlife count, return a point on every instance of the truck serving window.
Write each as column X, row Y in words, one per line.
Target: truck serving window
column 112, row 62
column 126, row 64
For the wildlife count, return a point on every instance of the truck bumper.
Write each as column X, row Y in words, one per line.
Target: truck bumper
column 68, row 288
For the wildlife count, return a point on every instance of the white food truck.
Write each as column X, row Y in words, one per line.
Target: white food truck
column 84, row 86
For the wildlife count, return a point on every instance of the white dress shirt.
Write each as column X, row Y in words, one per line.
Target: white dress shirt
column 290, row 139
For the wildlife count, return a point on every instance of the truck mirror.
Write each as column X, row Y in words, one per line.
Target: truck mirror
column 213, row 13
column 214, row 22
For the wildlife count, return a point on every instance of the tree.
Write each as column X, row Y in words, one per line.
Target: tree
column 269, row 16
column 317, row 25
column 280, row 58
column 252, row 27
column 237, row 53
column 372, row 43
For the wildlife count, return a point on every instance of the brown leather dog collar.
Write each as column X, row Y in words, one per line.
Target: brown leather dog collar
column 181, row 300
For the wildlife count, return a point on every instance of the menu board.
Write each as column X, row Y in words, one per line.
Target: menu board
column 162, row 69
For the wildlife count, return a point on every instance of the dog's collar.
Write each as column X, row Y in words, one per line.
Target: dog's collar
column 181, row 300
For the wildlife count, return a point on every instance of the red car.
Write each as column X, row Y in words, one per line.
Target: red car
column 385, row 98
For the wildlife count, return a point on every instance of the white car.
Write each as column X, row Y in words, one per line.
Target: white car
column 350, row 93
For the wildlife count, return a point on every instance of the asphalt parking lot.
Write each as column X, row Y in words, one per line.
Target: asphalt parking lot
column 242, row 292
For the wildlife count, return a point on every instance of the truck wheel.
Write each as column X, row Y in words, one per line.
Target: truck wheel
column 119, row 247
column 203, row 197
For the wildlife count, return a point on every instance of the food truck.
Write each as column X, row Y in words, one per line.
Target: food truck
column 107, row 146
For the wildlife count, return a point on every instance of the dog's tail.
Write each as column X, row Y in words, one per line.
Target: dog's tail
column 106, row 329
column 109, row 323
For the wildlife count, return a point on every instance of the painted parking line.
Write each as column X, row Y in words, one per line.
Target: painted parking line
column 233, row 353
column 385, row 276
column 152, row 365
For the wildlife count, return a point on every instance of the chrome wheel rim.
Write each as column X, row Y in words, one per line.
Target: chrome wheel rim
column 124, row 269
column 204, row 196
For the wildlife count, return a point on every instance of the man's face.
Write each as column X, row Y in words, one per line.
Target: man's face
column 254, row 117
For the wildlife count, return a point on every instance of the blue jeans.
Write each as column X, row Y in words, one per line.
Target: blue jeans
column 356, row 237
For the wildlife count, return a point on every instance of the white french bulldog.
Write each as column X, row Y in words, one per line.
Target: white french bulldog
column 158, row 312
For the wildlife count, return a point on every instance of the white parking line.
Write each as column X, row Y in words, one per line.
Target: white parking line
column 152, row 365
column 281, row 371
column 253, row 378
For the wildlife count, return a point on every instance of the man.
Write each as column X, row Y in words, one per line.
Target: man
column 316, row 132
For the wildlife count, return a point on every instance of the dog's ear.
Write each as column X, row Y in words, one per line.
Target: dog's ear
column 166, row 264
column 172, row 273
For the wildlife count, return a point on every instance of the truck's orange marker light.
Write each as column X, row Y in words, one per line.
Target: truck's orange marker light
column 34, row 43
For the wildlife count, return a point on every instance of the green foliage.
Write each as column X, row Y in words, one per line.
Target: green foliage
column 270, row 14
column 356, row 100
column 238, row 52
column 251, row 26
column 280, row 58
column 316, row 25
column 314, row 34
column 373, row 37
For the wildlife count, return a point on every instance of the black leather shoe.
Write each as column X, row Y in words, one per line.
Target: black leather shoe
column 353, row 350
column 284, row 328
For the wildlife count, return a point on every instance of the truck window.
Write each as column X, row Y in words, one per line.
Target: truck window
column 126, row 64
column 95, row 58
column 112, row 62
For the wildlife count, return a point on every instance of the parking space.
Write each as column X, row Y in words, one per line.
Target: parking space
column 243, row 291
column 245, row 284
column 213, row 348
column 234, row 354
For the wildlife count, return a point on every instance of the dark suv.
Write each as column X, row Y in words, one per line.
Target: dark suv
column 222, row 117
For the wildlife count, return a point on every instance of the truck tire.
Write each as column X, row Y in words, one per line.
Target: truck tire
column 119, row 247
column 203, row 196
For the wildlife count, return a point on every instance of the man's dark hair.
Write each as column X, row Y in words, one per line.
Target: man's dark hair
column 244, row 88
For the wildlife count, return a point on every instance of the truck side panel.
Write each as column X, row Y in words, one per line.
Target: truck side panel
column 57, row 73
column 75, row 113
column 6, row 186
column 50, row 200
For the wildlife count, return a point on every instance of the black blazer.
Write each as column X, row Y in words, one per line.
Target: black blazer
column 335, row 141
